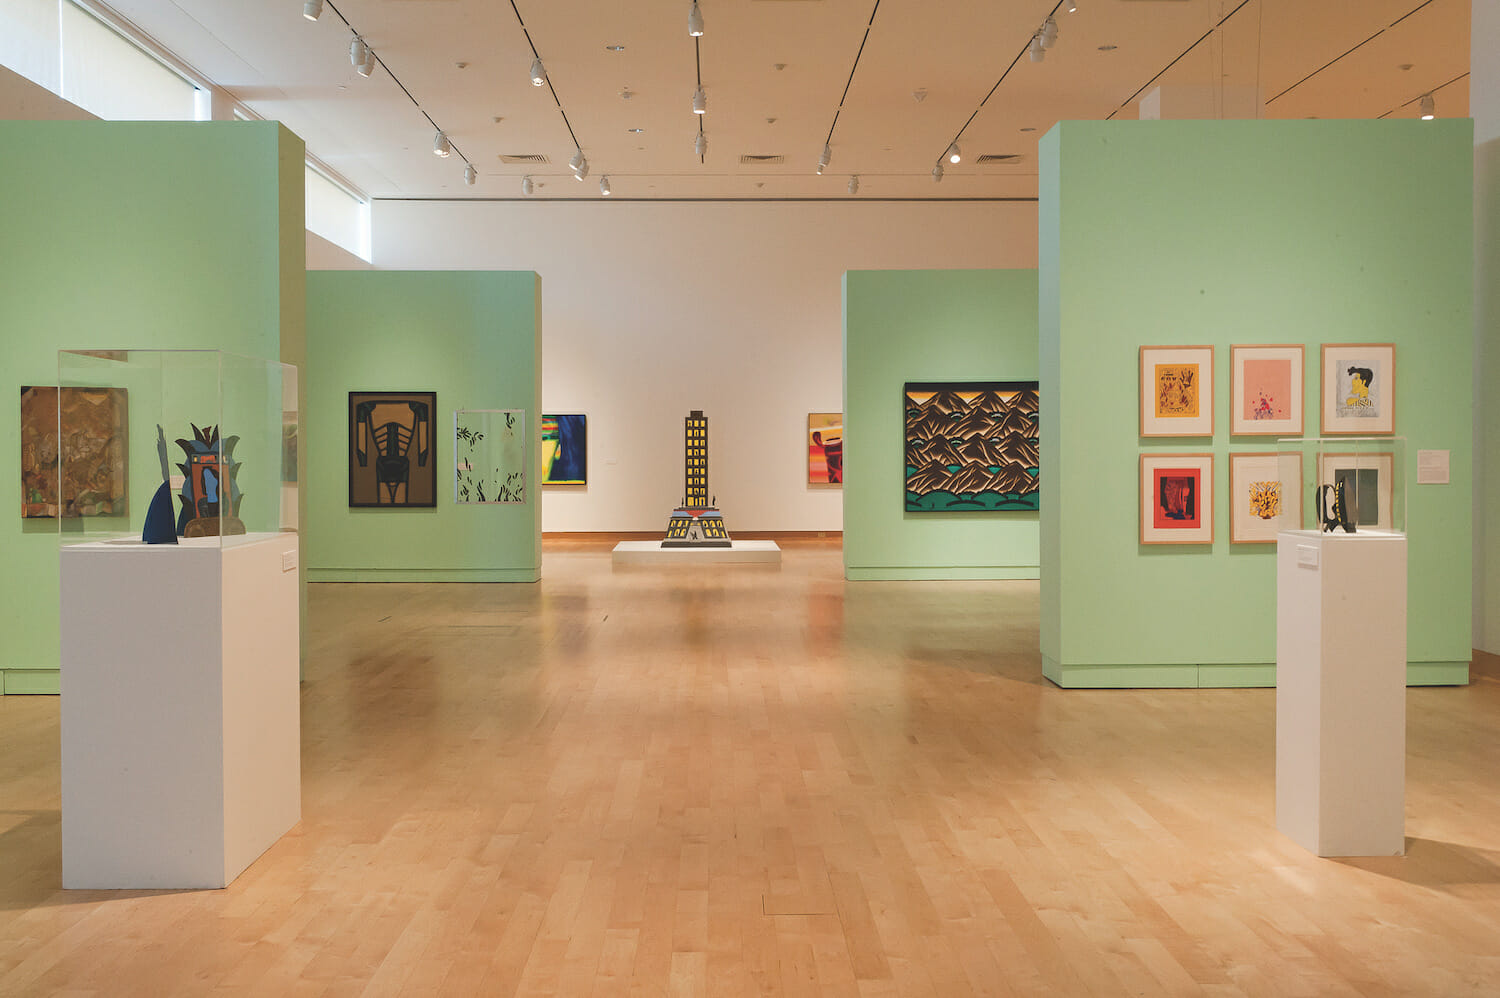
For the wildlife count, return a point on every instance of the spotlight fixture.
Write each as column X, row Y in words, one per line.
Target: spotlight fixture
column 1038, row 50
column 358, row 52
column 701, row 145
column 368, row 66
column 583, row 171
column 695, row 20
column 700, row 101
column 1428, row 108
column 1049, row 32
column 953, row 154
column 527, row 186
column 937, row 174
column 824, row 157
column 470, row 175
column 576, row 163
column 312, row 9
column 1072, row 6
column 854, row 184
column 441, row 146
column 604, row 186
column 538, row 72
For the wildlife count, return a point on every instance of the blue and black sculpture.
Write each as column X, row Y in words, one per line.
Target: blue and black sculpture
column 159, row 528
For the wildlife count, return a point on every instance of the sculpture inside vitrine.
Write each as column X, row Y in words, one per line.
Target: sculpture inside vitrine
column 160, row 527
column 1333, row 508
column 210, row 495
column 696, row 522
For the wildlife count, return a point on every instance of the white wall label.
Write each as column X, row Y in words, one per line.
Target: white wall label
column 1432, row 467
column 1307, row 555
column 288, row 561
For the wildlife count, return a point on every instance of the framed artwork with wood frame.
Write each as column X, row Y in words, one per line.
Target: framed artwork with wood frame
column 1259, row 500
column 1359, row 388
column 1177, row 391
column 1265, row 390
column 1177, row 499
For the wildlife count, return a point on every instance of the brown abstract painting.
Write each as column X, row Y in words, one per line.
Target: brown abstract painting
column 94, row 449
column 391, row 459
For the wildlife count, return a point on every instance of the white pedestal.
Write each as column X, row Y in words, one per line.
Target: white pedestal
column 740, row 552
column 181, row 752
column 1341, row 691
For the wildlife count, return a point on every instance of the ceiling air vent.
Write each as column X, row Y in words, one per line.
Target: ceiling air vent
column 524, row 158
column 749, row 160
column 998, row 159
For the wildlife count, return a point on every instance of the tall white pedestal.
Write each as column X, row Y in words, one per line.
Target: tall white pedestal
column 181, row 753
column 1341, row 691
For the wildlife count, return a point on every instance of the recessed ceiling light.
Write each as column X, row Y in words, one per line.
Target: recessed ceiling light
column 614, row 48
column 1108, row 48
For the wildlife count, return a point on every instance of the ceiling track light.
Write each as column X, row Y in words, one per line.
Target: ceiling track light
column 538, row 72
column 527, row 186
column 854, row 184
column 441, row 146
column 937, row 174
column 1072, row 6
column 358, row 52
column 953, row 155
column 1428, row 107
column 700, row 101
column 824, row 157
column 700, row 146
column 1048, row 33
column 470, row 174
column 368, row 66
column 312, row 9
column 576, row 163
column 604, row 190
column 1038, row 50
column 695, row 20
column 583, row 171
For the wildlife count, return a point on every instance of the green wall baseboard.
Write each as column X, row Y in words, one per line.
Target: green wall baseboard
column 1250, row 676
column 924, row 573
column 30, row 681
column 424, row 574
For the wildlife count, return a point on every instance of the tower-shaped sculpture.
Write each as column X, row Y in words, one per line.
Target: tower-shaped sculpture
column 695, row 523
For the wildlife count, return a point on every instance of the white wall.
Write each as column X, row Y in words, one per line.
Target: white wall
column 22, row 100
column 652, row 309
column 325, row 255
column 1484, row 105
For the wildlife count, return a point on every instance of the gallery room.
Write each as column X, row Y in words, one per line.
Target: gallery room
column 734, row 497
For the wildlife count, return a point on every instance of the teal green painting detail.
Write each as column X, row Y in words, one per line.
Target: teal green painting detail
column 1239, row 232
column 179, row 243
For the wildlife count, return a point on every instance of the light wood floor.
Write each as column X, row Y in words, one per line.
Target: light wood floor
column 748, row 781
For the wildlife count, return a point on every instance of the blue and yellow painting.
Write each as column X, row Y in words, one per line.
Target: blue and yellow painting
column 565, row 449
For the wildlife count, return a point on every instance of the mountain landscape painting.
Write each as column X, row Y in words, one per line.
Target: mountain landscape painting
column 971, row 446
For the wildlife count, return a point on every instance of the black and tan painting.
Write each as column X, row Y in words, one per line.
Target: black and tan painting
column 391, row 459
column 971, row 446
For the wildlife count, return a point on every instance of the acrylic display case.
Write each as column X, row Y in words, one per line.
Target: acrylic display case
column 181, row 758
column 1371, row 469
column 227, row 423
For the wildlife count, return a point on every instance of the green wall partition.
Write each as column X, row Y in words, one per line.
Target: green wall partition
column 928, row 325
column 474, row 338
column 1241, row 232
column 166, row 235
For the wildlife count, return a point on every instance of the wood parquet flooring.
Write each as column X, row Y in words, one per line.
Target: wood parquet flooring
column 753, row 781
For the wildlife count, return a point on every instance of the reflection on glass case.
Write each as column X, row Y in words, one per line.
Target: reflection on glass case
column 1343, row 484
column 208, row 443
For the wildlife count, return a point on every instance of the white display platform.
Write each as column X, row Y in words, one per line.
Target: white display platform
column 741, row 552
column 1341, row 691
column 181, row 751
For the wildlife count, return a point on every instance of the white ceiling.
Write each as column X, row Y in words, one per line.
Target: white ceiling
column 775, row 73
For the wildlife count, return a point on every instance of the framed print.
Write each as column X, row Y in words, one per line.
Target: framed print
column 489, row 455
column 1259, row 501
column 1367, row 484
column 825, row 448
column 1265, row 390
column 391, row 458
column 971, row 446
column 1177, row 391
column 1359, row 388
column 1177, row 498
column 96, row 430
column 565, row 449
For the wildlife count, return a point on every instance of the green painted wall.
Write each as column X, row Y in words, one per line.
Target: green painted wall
column 928, row 325
column 1487, row 375
column 128, row 234
column 1223, row 232
column 474, row 338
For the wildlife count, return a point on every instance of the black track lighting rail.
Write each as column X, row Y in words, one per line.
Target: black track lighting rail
column 1181, row 56
column 550, row 88
column 698, row 67
column 852, row 70
column 1434, row 91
